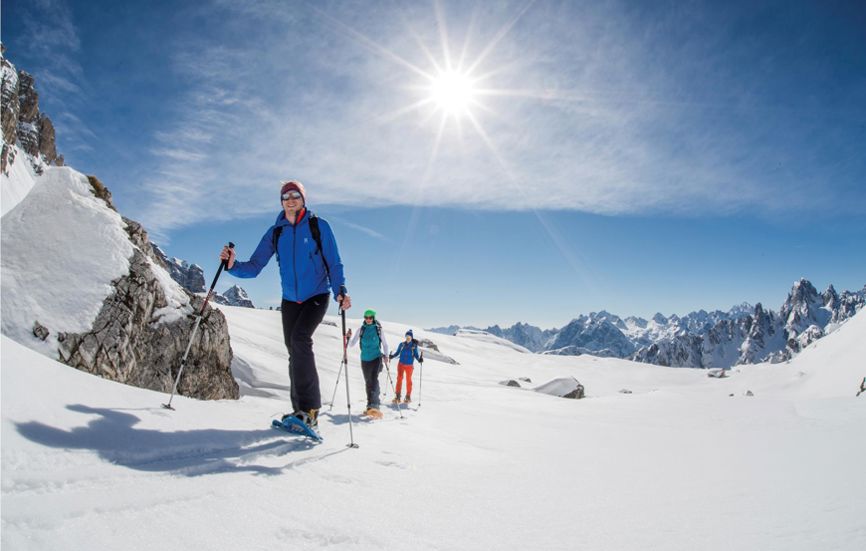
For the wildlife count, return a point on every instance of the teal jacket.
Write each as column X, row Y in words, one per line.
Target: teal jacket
column 373, row 341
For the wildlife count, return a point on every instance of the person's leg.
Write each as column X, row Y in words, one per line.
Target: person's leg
column 290, row 312
column 400, row 369
column 375, row 392
column 305, row 383
column 409, row 370
column 368, row 368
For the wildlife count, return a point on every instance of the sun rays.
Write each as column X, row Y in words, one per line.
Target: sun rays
column 446, row 91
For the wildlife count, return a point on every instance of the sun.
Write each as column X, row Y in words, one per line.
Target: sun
column 453, row 93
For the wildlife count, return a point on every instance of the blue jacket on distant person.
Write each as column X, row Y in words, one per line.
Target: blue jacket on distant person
column 408, row 352
column 302, row 272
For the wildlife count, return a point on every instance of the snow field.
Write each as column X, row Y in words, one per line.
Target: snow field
column 679, row 464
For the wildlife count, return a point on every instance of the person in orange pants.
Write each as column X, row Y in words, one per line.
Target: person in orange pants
column 408, row 352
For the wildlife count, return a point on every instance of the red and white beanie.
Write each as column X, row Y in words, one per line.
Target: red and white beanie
column 289, row 185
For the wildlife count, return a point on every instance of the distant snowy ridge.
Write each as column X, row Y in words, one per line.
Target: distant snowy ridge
column 189, row 276
column 742, row 335
column 234, row 296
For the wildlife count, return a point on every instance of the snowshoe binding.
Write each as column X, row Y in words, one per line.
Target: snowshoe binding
column 305, row 423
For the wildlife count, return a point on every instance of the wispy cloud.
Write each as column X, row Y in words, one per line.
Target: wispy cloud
column 579, row 115
column 363, row 229
column 52, row 40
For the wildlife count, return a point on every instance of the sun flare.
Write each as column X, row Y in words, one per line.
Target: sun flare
column 453, row 93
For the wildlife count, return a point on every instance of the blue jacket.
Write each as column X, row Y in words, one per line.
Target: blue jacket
column 406, row 353
column 302, row 272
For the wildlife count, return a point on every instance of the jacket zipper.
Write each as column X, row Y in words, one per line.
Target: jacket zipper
column 295, row 257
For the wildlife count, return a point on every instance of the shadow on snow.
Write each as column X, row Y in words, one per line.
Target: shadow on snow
column 189, row 453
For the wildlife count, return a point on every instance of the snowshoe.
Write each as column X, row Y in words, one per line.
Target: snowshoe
column 373, row 413
column 301, row 423
column 396, row 399
column 407, row 400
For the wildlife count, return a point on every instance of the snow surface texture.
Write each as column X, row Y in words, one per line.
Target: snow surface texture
column 17, row 184
column 72, row 245
column 677, row 464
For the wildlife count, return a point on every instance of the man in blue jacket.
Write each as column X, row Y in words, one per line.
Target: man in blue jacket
column 309, row 264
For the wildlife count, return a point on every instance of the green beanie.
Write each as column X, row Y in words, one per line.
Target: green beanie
column 370, row 314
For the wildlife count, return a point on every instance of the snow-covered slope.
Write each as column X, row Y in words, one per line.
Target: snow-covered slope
column 17, row 184
column 678, row 464
column 62, row 248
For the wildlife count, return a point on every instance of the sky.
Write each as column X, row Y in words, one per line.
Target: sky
column 630, row 157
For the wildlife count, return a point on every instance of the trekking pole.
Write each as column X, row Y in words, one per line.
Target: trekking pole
column 393, row 388
column 420, row 382
column 336, row 385
column 351, row 443
column 198, row 319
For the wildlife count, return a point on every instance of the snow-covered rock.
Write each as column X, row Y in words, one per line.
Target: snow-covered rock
column 89, row 278
column 82, row 284
column 23, row 124
column 563, row 387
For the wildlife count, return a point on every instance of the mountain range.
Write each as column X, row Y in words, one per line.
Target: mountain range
column 744, row 334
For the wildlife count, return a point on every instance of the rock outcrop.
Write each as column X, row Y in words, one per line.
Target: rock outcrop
column 22, row 122
column 138, row 337
column 129, row 322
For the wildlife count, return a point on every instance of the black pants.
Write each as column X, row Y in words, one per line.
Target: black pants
column 371, row 371
column 299, row 323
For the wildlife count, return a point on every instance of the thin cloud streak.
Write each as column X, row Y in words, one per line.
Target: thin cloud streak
column 583, row 121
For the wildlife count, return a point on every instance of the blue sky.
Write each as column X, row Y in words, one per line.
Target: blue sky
column 633, row 157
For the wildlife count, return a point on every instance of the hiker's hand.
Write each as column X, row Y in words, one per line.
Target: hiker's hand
column 228, row 255
column 345, row 302
column 349, row 334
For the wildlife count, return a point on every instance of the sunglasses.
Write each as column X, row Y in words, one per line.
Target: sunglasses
column 368, row 317
column 291, row 195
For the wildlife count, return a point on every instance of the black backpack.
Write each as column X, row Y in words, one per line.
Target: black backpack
column 317, row 237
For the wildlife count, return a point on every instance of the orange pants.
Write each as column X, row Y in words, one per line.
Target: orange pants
column 407, row 369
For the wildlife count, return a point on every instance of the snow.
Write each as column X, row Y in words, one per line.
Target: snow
column 559, row 387
column 62, row 247
column 18, row 183
column 678, row 464
column 178, row 305
column 484, row 336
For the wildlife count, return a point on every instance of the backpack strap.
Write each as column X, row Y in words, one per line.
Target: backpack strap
column 275, row 239
column 317, row 237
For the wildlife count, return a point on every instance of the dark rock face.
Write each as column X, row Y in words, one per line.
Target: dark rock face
column 22, row 123
column 131, row 344
column 576, row 394
column 10, row 110
column 189, row 276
